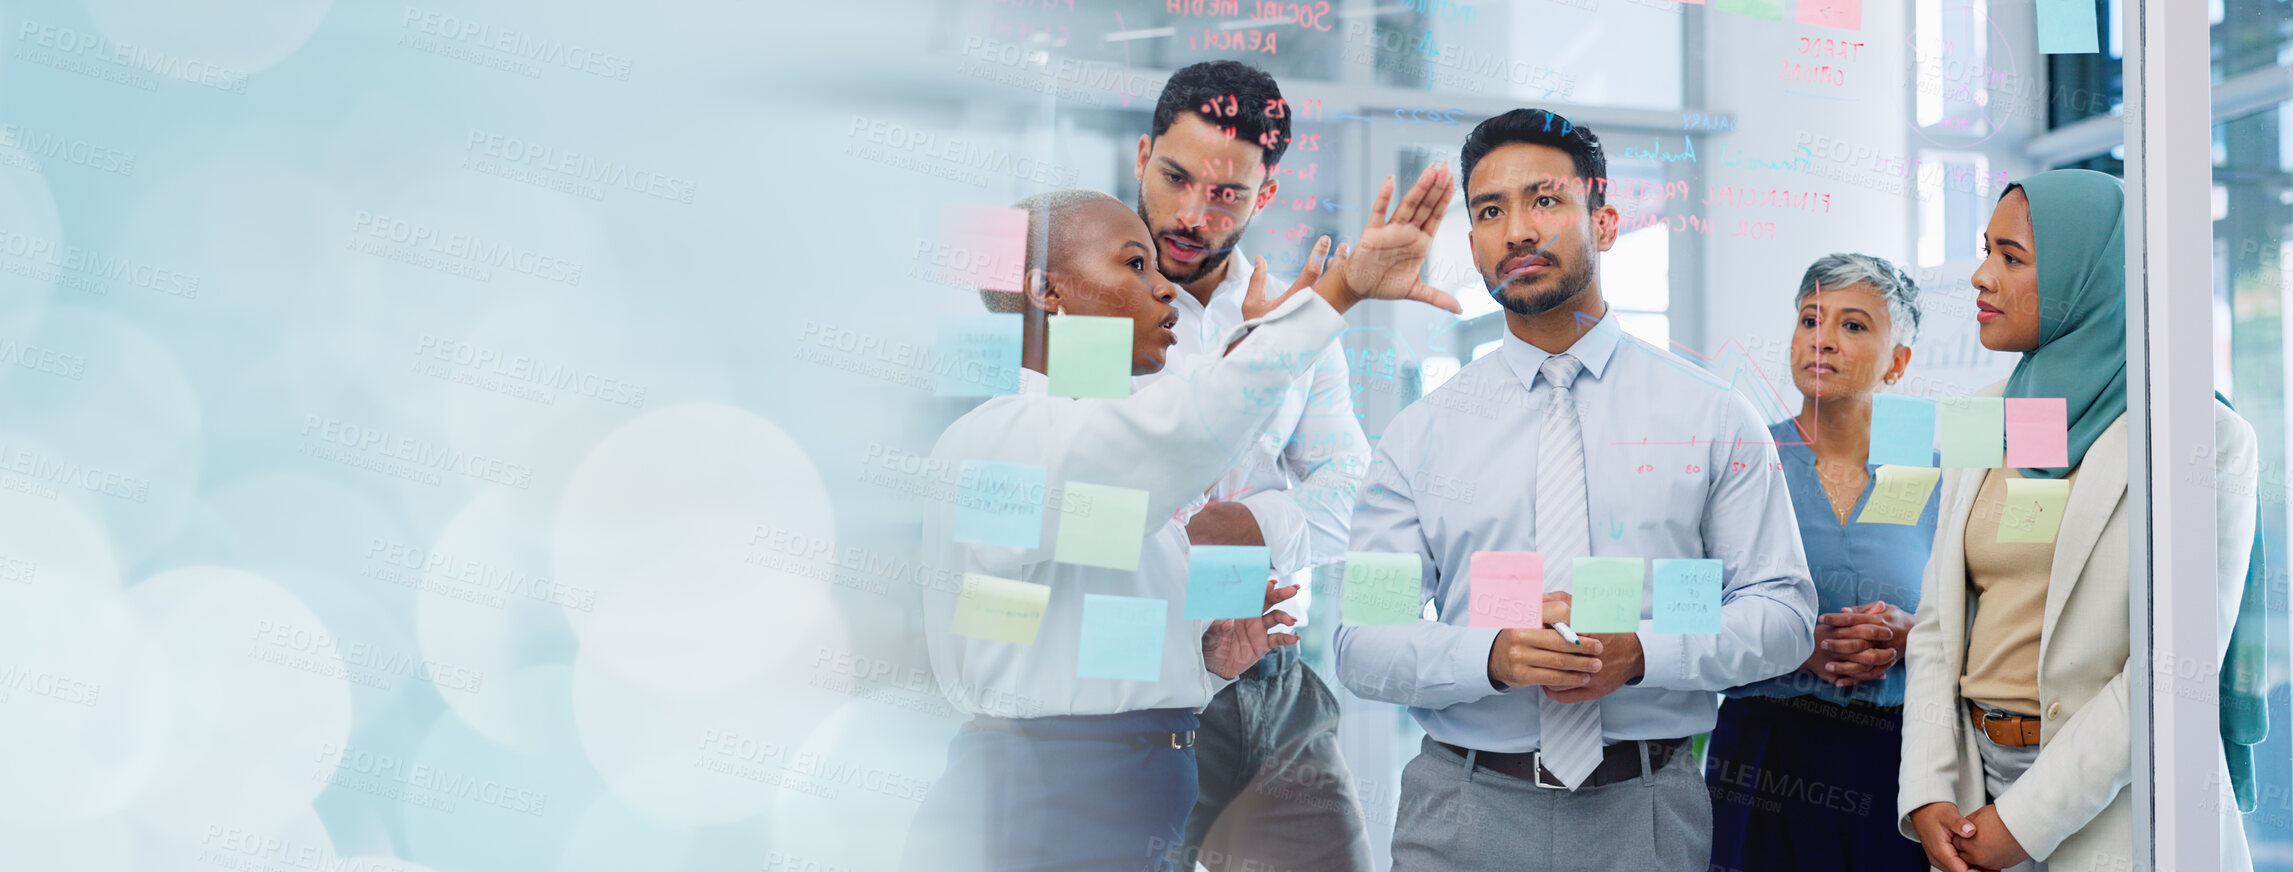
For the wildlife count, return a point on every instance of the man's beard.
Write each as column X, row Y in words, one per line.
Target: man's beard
column 1571, row 281
column 1213, row 255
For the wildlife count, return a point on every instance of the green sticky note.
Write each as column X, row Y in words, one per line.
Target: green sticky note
column 1901, row 495
column 1605, row 595
column 1090, row 356
column 1101, row 525
column 1771, row 10
column 1000, row 609
column 1381, row 588
column 2033, row 510
column 1973, row 431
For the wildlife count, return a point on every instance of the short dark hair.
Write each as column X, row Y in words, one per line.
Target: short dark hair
column 1540, row 127
column 1246, row 100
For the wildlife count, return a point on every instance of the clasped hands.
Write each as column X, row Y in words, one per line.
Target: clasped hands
column 1978, row 842
column 1858, row 644
column 1568, row 672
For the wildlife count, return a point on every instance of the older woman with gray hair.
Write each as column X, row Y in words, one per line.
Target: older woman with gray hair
column 1802, row 767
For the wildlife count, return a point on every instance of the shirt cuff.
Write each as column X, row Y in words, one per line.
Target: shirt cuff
column 1283, row 524
column 1303, row 298
column 1664, row 660
column 1469, row 678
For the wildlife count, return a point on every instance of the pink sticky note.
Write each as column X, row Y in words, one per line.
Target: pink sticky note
column 1847, row 14
column 1508, row 589
column 2037, row 433
column 982, row 246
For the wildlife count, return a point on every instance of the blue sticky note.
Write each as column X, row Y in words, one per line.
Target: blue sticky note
column 977, row 356
column 999, row 504
column 2068, row 27
column 1122, row 637
column 1902, row 431
column 1687, row 596
column 1227, row 581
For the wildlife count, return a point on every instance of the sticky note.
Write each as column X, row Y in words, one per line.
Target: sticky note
column 982, row 246
column 1771, row 10
column 999, row 504
column 1831, row 13
column 1508, row 589
column 1606, row 598
column 1089, row 356
column 2068, row 27
column 1902, row 430
column 2033, row 509
column 1121, row 637
column 1227, row 581
column 2037, row 432
column 1900, row 496
column 1381, row 588
column 1687, row 596
column 977, row 356
column 1101, row 525
column 1973, row 432
column 1000, row 609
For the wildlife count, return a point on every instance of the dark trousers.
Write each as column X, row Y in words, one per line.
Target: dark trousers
column 1276, row 794
column 1805, row 785
column 1103, row 793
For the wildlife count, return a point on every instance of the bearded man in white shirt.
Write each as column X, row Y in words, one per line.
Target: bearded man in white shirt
column 1101, row 773
column 1276, row 792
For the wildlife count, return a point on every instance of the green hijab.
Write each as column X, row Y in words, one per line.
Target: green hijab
column 2078, row 219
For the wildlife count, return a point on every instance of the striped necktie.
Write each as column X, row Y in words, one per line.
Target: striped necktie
column 1569, row 733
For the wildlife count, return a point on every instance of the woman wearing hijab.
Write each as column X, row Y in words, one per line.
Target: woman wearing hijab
column 2015, row 751
column 1802, row 766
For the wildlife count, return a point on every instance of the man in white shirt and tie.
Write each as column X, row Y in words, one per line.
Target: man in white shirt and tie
column 1542, row 753
column 1057, row 770
column 1276, row 792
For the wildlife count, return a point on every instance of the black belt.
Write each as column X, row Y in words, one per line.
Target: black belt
column 1618, row 762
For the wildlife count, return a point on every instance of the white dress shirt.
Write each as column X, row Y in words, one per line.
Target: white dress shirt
column 1172, row 439
column 1676, row 466
column 1300, row 477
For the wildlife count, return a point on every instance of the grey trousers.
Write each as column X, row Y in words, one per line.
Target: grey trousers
column 1452, row 818
column 2001, row 766
column 1276, row 794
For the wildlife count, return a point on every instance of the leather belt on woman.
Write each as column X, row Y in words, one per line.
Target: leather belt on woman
column 2013, row 731
column 1618, row 762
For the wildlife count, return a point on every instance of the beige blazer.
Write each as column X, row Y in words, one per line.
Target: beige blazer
column 2072, row 809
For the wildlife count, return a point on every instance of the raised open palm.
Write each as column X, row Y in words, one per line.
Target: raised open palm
column 1384, row 263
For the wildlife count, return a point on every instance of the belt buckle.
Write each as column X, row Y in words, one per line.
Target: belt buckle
column 1174, row 740
column 1537, row 760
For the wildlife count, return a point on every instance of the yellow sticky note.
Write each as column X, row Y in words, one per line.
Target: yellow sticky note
column 1901, row 495
column 1000, row 609
column 2033, row 510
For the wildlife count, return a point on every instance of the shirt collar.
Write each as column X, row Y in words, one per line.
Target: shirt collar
column 1033, row 384
column 1237, row 283
column 1593, row 349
